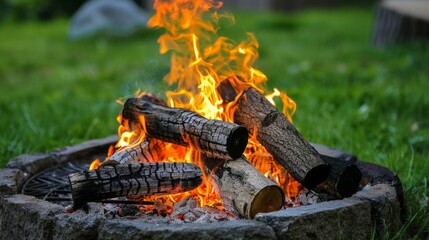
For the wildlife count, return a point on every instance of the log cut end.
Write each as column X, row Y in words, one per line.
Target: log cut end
column 348, row 183
column 316, row 175
column 237, row 142
column 268, row 199
column 344, row 178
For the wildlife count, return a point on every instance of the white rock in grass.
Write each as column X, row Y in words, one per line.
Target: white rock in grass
column 107, row 17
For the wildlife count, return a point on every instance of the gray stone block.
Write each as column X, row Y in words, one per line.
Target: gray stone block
column 26, row 217
column 386, row 208
column 11, row 180
column 83, row 150
column 79, row 225
column 334, row 153
column 127, row 229
column 32, row 163
column 339, row 219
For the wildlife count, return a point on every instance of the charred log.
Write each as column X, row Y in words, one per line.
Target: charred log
column 274, row 131
column 149, row 150
column 134, row 179
column 242, row 188
column 183, row 127
column 343, row 180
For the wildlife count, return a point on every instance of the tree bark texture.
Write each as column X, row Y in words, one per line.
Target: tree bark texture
column 242, row 188
column 274, row 131
column 213, row 138
column 134, row 179
column 343, row 180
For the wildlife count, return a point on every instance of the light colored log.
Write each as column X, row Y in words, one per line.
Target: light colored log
column 274, row 131
column 242, row 188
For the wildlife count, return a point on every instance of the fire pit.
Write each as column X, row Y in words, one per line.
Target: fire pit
column 228, row 163
column 379, row 204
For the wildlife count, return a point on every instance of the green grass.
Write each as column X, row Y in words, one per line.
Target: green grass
column 374, row 103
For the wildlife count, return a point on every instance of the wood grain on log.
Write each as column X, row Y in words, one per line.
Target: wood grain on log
column 343, row 180
column 134, row 179
column 242, row 188
column 280, row 138
column 214, row 138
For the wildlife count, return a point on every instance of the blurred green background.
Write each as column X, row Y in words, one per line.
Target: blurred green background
column 373, row 102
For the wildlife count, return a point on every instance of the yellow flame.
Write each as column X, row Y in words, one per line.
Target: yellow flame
column 200, row 61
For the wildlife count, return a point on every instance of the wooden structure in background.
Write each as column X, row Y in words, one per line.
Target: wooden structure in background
column 400, row 21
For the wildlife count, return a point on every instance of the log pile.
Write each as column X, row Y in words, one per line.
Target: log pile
column 220, row 145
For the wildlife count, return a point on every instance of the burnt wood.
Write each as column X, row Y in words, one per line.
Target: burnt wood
column 214, row 138
column 343, row 180
column 274, row 131
column 134, row 179
column 242, row 188
column 149, row 150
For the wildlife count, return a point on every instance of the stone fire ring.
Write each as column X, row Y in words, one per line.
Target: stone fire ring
column 378, row 206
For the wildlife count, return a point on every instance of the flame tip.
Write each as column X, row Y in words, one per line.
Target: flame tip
column 200, row 61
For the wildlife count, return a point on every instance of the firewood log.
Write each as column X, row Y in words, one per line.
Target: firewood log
column 265, row 162
column 149, row 150
column 242, row 188
column 134, row 179
column 214, row 138
column 274, row 131
column 343, row 180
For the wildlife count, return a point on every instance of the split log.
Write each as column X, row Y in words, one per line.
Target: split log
column 134, row 179
column 274, row 131
column 242, row 188
column 343, row 180
column 213, row 138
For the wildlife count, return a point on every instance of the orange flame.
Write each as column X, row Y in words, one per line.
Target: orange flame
column 200, row 61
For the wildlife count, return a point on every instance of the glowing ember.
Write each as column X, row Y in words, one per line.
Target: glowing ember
column 200, row 61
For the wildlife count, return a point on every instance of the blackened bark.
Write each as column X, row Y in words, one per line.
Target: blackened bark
column 149, row 150
column 134, row 179
column 213, row 138
column 343, row 180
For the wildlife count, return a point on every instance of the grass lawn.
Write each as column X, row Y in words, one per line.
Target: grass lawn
column 350, row 96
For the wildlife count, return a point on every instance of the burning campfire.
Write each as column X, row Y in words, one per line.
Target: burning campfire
column 218, row 138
